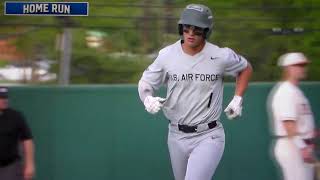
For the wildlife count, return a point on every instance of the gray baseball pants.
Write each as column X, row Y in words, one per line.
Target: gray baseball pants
column 195, row 156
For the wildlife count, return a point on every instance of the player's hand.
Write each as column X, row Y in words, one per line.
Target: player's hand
column 153, row 104
column 234, row 108
column 28, row 172
column 308, row 154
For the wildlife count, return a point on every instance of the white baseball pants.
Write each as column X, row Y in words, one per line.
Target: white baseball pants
column 291, row 162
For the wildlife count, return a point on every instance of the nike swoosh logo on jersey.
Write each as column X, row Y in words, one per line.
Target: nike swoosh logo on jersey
column 213, row 58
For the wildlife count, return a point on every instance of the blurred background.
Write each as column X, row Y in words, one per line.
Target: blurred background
column 99, row 130
column 120, row 38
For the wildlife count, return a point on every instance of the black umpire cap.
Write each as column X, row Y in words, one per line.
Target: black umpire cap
column 4, row 92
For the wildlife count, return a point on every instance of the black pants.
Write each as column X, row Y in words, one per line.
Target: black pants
column 13, row 171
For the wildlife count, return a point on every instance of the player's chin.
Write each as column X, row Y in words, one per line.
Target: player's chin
column 303, row 77
column 192, row 44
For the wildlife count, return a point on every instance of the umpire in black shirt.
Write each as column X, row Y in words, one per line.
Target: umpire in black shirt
column 14, row 132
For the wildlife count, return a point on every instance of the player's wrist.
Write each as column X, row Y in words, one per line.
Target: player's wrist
column 237, row 99
column 147, row 98
column 238, row 96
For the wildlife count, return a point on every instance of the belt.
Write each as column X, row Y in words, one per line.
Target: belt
column 198, row 128
column 7, row 162
column 309, row 141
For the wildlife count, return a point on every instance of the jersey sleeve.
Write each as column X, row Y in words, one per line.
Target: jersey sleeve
column 287, row 106
column 155, row 74
column 234, row 63
column 23, row 128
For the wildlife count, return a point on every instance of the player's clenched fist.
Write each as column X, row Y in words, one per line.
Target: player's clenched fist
column 153, row 104
column 234, row 109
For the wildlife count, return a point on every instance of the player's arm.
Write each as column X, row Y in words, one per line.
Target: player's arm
column 28, row 151
column 291, row 128
column 243, row 80
column 234, row 108
column 152, row 79
column 288, row 114
column 240, row 68
column 25, row 137
column 306, row 150
column 144, row 89
column 152, row 104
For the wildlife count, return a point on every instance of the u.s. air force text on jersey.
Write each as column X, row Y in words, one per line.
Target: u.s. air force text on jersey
column 194, row 77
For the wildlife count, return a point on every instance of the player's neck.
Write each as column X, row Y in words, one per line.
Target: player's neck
column 293, row 81
column 290, row 78
column 192, row 50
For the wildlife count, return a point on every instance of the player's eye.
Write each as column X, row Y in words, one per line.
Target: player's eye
column 198, row 31
column 301, row 65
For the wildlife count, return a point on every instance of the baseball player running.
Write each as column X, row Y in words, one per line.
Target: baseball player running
column 192, row 70
column 292, row 121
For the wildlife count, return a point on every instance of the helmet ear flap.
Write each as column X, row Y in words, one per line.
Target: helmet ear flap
column 205, row 33
column 180, row 29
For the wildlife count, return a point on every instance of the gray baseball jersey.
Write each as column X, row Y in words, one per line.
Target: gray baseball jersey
column 194, row 83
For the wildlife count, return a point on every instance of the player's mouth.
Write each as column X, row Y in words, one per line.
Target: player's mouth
column 191, row 40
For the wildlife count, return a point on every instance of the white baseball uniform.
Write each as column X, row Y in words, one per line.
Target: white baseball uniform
column 287, row 102
column 194, row 98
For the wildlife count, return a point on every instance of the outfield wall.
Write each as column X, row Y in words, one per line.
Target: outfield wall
column 104, row 133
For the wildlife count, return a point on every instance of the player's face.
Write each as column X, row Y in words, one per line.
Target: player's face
column 193, row 36
column 298, row 71
column 3, row 103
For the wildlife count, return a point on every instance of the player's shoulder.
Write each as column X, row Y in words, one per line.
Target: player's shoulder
column 285, row 89
column 222, row 52
column 212, row 48
column 283, row 94
column 12, row 111
column 228, row 52
column 170, row 49
column 168, row 52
